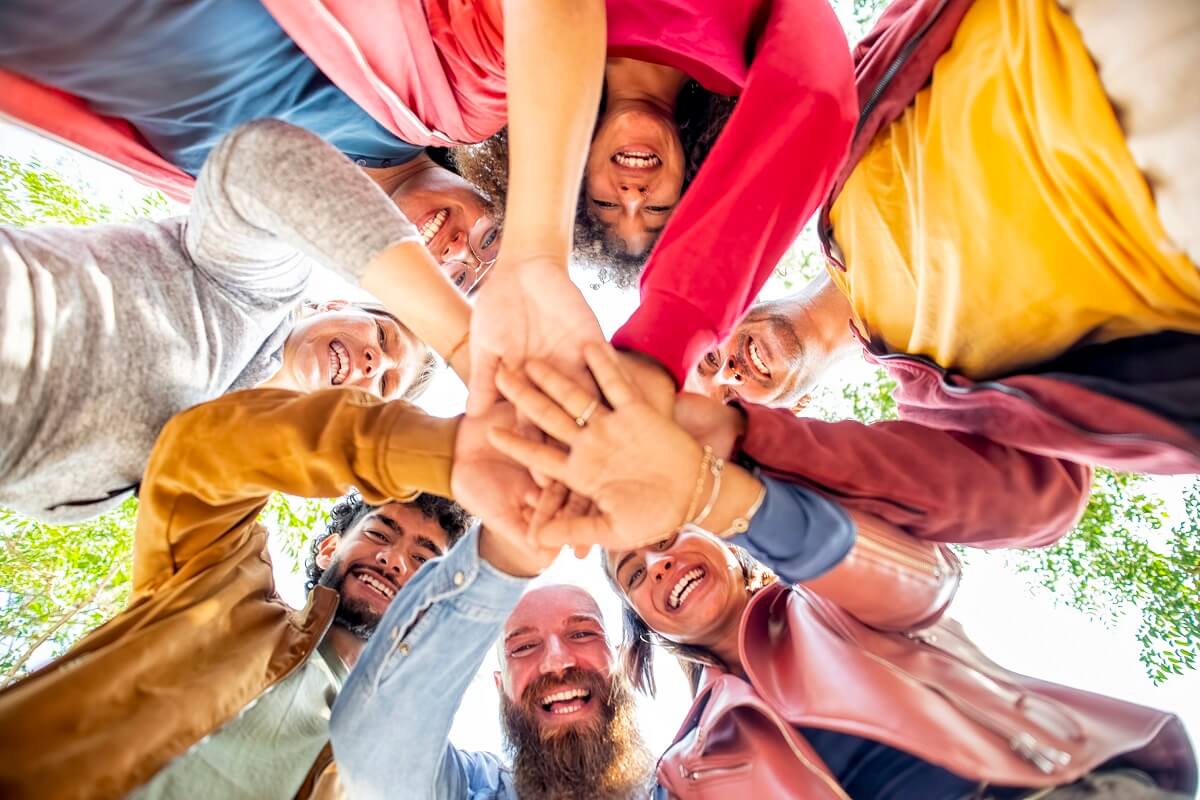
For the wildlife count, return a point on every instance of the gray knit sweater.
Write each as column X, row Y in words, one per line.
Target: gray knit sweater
column 107, row 331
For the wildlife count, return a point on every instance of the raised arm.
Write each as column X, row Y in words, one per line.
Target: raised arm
column 932, row 484
column 215, row 465
column 766, row 174
column 271, row 193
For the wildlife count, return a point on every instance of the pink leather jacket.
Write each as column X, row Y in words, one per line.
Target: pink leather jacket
column 929, row 692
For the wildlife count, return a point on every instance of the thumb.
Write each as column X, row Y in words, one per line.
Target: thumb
column 482, row 393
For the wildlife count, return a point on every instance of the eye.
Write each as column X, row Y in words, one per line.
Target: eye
column 490, row 237
column 419, row 559
column 521, row 648
column 603, row 203
column 664, row 544
column 460, row 278
column 634, row 577
column 711, row 359
column 382, row 335
column 580, row 635
column 386, row 385
column 377, row 536
column 658, row 209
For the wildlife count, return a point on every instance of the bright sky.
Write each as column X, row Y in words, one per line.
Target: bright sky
column 1019, row 628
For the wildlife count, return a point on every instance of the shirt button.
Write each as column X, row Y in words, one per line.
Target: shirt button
column 387, row 162
column 362, row 162
column 404, row 649
column 459, row 579
column 395, row 634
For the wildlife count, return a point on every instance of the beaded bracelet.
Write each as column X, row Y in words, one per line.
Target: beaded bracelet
column 457, row 347
column 705, row 465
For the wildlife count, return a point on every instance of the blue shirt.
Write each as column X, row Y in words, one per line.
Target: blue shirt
column 186, row 73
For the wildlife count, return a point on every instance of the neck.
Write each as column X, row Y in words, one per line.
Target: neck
column 392, row 179
column 347, row 646
column 628, row 82
column 725, row 642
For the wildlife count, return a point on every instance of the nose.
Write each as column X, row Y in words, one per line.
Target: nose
column 729, row 374
column 632, row 195
column 457, row 248
column 557, row 657
column 393, row 560
column 658, row 566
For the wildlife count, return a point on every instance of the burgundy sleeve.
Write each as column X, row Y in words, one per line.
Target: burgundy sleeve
column 933, row 484
column 765, row 176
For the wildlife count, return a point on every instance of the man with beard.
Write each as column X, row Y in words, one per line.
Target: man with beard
column 567, row 710
column 208, row 684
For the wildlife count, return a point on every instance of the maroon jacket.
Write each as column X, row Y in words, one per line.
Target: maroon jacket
column 1089, row 417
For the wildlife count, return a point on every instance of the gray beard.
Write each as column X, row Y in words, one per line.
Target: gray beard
column 605, row 760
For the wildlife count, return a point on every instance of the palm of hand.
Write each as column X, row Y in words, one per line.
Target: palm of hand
column 635, row 440
column 529, row 309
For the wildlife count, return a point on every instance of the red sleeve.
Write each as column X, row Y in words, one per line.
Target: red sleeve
column 939, row 485
column 768, row 171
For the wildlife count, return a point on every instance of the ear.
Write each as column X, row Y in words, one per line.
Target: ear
column 499, row 684
column 798, row 407
column 325, row 550
column 326, row 305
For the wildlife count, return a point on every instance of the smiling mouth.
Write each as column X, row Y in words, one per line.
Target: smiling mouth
column 381, row 586
column 754, row 357
column 339, row 363
column 684, row 588
column 637, row 159
column 434, row 224
column 567, row 701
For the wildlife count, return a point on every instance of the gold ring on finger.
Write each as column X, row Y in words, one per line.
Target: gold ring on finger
column 586, row 414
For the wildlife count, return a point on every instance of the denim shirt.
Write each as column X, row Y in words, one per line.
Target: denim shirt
column 391, row 723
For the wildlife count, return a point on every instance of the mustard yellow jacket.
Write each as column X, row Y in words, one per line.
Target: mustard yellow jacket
column 205, row 632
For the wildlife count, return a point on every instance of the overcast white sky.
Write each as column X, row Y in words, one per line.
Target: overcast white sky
column 1019, row 628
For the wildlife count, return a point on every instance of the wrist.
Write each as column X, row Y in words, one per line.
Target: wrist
column 738, row 499
column 502, row 556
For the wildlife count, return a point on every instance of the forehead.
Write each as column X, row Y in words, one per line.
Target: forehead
column 550, row 607
column 408, row 519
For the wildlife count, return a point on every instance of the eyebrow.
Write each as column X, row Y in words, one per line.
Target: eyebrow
column 519, row 632
column 584, row 618
column 621, row 563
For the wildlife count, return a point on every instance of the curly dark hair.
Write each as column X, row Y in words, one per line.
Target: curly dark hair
column 637, row 646
column 453, row 518
column 700, row 116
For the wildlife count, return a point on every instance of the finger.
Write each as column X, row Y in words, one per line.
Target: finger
column 549, row 504
column 576, row 532
column 532, row 455
column 575, row 401
column 539, row 408
column 481, row 391
column 602, row 361
column 581, row 550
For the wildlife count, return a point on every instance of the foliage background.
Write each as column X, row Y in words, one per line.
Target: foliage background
column 1129, row 556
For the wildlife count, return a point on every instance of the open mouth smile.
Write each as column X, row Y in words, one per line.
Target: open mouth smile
column 685, row 586
column 567, row 701
column 637, row 159
column 376, row 583
column 339, row 363
column 755, row 359
column 433, row 225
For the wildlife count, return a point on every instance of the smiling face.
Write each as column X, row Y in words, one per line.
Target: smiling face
column 763, row 362
column 557, row 660
column 346, row 345
column 375, row 558
column 688, row 588
column 455, row 222
column 634, row 174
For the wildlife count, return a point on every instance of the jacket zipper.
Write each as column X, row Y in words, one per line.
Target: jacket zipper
column 895, row 66
column 1044, row 757
column 711, row 772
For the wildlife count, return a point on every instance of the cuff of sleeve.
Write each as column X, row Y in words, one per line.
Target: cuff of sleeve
column 766, row 428
column 418, row 454
column 477, row 588
column 670, row 330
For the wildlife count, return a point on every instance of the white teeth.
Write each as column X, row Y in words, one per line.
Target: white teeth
column 375, row 583
column 430, row 229
column 563, row 696
column 339, row 363
column 685, row 586
column 636, row 159
column 757, row 359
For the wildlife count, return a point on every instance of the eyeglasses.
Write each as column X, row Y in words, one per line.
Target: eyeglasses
column 475, row 273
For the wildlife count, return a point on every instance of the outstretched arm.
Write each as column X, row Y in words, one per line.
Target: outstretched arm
column 785, row 143
column 272, row 199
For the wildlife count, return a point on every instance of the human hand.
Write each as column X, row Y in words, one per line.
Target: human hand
column 652, row 379
column 528, row 309
column 635, row 464
column 710, row 421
